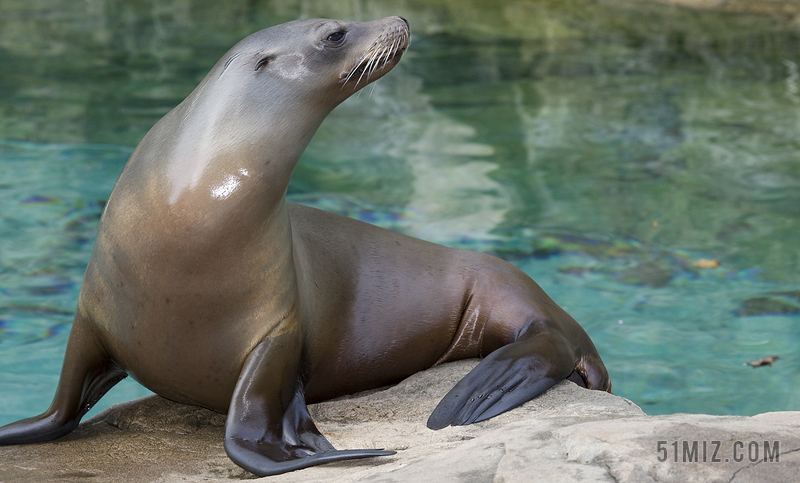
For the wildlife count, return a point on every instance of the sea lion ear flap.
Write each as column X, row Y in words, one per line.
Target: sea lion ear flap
column 263, row 60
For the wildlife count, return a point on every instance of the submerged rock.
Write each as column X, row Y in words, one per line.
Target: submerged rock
column 766, row 306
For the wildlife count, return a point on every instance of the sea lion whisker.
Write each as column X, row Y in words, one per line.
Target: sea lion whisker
column 388, row 52
column 361, row 75
column 347, row 78
column 356, row 67
column 394, row 48
column 372, row 66
column 352, row 71
column 372, row 89
column 384, row 57
column 369, row 68
column 376, row 58
column 360, row 65
column 368, row 65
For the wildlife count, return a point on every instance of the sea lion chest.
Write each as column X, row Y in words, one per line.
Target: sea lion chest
column 180, row 293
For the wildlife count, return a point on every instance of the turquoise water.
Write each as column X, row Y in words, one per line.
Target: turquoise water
column 602, row 156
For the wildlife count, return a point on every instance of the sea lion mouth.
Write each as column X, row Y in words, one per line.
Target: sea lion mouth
column 386, row 50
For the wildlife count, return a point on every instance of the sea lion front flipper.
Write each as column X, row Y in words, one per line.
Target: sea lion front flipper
column 269, row 430
column 86, row 375
column 505, row 379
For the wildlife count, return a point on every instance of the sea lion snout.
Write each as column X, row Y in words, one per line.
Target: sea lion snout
column 382, row 55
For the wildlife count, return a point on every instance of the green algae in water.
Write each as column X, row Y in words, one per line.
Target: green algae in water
column 602, row 147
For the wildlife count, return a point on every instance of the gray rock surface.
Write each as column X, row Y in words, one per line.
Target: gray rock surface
column 567, row 434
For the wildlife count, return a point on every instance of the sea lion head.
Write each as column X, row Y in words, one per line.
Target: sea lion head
column 316, row 61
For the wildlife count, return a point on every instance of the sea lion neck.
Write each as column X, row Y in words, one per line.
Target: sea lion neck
column 214, row 154
column 221, row 143
column 227, row 152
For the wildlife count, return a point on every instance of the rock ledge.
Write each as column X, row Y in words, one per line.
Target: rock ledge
column 567, row 434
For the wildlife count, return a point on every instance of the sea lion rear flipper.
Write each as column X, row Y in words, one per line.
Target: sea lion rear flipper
column 86, row 375
column 269, row 430
column 505, row 379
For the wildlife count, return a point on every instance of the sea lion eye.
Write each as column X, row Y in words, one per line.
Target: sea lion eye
column 263, row 61
column 336, row 37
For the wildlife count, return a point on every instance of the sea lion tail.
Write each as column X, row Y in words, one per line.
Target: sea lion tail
column 512, row 375
column 591, row 373
column 86, row 375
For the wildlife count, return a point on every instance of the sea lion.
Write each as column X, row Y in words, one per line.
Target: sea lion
column 210, row 289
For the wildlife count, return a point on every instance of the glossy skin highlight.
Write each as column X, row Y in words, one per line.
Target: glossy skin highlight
column 207, row 287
